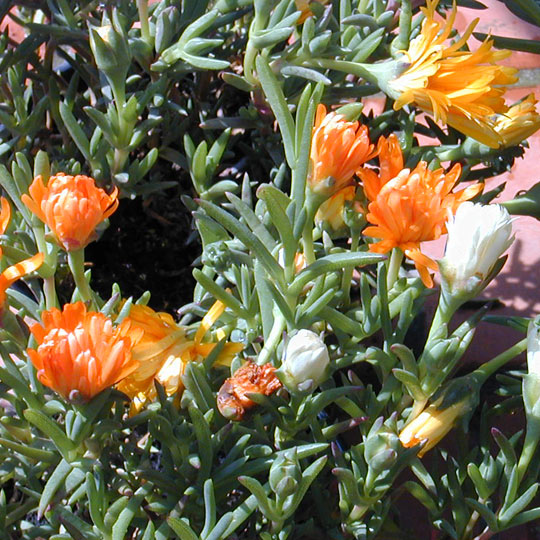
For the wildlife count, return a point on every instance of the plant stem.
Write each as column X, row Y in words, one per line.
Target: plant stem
column 273, row 339
column 49, row 289
column 142, row 6
column 445, row 310
column 394, row 264
column 348, row 272
column 529, row 448
column 76, row 265
column 489, row 368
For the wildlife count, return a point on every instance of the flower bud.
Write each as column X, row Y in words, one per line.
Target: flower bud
column 111, row 51
column 477, row 237
column 285, row 474
column 531, row 381
column 305, row 362
column 381, row 446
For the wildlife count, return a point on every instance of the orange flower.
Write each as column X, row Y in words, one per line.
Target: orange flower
column 11, row 274
column 390, row 165
column 338, row 149
column 413, row 208
column 233, row 400
column 164, row 351
column 81, row 353
column 71, row 206
column 461, row 88
column 303, row 6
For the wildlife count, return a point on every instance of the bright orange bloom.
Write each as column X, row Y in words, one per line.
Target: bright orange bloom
column 164, row 351
column 71, row 206
column 338, row 149
column 461, row 88
column 81, row 353
column 519, row 122
column 390, row 165
column 413, row 208
column 11, row 274
column 303, row 6
column 233, row 400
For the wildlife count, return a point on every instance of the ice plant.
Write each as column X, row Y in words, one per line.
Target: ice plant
column 16, row 271
column 233, row 400
column 71, row 206
column 338, row 149
column 519, row 122
column 164, row 351
column 477, row 237
column 80, row 353
column 305, row 362
column 391, row 164
column 413, row 208
column 461, row 88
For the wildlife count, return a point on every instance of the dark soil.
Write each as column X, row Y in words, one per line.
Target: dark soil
column 149, row 246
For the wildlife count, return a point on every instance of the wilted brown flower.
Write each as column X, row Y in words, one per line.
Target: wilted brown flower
column 251, row 378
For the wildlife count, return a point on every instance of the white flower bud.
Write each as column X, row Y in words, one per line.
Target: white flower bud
column 531, row 381
column 533, row 348
column 477, row 236
column 305, row 362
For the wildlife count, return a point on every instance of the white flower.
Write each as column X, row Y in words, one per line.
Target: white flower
column 477, row 236
column 305, row 362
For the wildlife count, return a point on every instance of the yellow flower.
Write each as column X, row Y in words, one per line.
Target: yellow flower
column 164, row 351
column 412, row 208
column 303, row 6
column 431, row 425
column 519, row 122
column 331, row 211
column 338, row 149
column 461, row 88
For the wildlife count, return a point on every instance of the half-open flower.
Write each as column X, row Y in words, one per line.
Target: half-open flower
column 233, row 400
column 477, row 237
column 459, row 87
column 81, row 353
column 12, row 273
column 413, row 208
column 452, row 404
column 519, row 122
column 71, row 206
column 338, row 149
